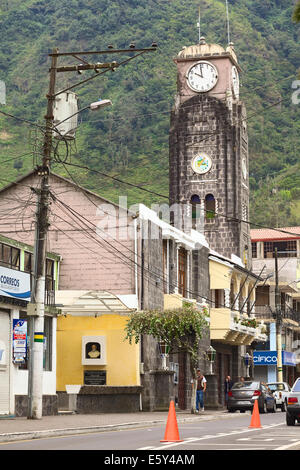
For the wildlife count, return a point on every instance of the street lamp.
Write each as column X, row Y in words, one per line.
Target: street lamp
column 164, row 350
column 247, row 361
column 68, row 130
column 211, row 356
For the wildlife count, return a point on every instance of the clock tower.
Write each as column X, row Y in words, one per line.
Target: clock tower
column 209, row 165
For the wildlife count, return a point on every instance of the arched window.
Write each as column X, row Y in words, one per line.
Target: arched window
column 195, row 202
column 210, row 207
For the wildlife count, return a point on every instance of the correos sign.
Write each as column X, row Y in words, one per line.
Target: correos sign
column 15, row 284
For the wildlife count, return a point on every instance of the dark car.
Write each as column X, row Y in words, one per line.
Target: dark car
column 293, row 405
column 242, row 397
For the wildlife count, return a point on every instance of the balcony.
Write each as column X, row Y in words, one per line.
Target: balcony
column 227, row 327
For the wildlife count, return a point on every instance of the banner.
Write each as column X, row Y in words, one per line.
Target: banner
column 19, row 341
column 15, row 284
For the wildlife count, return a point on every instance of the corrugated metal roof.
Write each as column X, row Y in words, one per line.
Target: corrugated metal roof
column 286, row 233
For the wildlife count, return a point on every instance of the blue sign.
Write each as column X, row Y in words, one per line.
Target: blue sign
column 288, row 358
column 265, row 358
column 269, row 358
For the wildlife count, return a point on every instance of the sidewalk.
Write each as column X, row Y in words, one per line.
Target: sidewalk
column 15, row 429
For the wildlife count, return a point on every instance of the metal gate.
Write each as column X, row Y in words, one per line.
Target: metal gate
column 4, row 363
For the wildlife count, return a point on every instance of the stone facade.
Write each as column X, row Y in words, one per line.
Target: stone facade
column 206, row 124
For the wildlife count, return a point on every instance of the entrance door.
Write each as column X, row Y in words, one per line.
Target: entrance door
column 4, row 363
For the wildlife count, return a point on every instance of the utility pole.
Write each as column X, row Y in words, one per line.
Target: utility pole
column 278, row 321
column 36, row 308
column 35, row 382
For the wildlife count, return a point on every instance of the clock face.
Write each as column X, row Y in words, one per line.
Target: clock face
column 202, row 77
column 201, row 164
column 235, row 81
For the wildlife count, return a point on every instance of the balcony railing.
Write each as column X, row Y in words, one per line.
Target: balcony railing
column 264, row 312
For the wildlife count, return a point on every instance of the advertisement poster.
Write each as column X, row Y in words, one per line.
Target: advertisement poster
column 19, row 341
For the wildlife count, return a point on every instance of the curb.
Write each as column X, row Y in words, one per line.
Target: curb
column 48, row 433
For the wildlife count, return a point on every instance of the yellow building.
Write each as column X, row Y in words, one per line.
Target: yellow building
column 92, row 350
column 233, row 326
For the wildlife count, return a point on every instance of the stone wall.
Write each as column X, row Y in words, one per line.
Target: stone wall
column 206, row 124
column 50, row 405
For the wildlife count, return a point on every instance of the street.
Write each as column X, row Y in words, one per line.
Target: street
column 226, row 433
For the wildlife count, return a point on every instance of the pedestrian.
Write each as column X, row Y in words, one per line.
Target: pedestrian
column 201, row 387
column 227, row 387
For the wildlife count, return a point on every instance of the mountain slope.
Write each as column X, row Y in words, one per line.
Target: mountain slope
column 131, row 139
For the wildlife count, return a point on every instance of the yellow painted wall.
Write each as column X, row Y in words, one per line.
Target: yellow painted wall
column 172, row 301
column 220, row 275
column 122, row 366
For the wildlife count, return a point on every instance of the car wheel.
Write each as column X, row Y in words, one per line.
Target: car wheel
column 274, row 409
column 283, row 406
column 231, row 410
column 290, row 420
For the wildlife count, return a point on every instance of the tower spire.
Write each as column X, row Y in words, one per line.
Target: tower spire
column 199, row 24
column 228, row 22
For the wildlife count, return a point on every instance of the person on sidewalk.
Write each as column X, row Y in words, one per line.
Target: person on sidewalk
column 227, row 387
column 201, row 387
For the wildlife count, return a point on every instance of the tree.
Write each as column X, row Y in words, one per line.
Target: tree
column 296, row 14
column 180, row 329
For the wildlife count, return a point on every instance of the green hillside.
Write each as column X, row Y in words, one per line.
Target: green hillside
column 130, row 140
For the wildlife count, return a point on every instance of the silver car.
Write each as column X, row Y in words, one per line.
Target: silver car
column 242, row 397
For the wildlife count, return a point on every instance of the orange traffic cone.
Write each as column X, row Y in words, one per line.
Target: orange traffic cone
column 171, row 433
column 255, row 419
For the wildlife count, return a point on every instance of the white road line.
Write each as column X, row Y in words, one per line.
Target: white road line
column 216, row 436
column 288, row 446
column 145, row 448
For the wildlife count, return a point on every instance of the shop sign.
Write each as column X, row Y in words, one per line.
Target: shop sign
column 269, row 358
column 265, row 358
column 14, row 284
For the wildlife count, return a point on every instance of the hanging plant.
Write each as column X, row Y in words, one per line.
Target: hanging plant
column 180, row 329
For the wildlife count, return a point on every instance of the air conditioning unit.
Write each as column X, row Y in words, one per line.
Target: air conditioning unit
column 65, row 117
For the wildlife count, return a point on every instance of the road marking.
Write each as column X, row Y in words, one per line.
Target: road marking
column 216, row 436
column 288, row 446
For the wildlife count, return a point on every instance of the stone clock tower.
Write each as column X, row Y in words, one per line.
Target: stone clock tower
column 209, row 167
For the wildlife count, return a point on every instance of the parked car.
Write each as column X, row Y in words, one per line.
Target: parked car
column 243, row 395
column 280, row 392
column 293, row 405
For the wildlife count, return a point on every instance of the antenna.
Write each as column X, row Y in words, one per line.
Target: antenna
column 199, row 24
column 228, row 24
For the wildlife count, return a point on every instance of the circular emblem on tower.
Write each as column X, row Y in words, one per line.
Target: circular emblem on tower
column 201, row 163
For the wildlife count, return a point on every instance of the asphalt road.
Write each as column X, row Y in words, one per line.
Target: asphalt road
column 223, row 434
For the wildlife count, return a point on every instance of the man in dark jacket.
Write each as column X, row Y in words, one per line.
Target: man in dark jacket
column 227, row 387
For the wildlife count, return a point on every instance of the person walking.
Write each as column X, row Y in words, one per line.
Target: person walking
column 227, row 387
column 201, row 387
